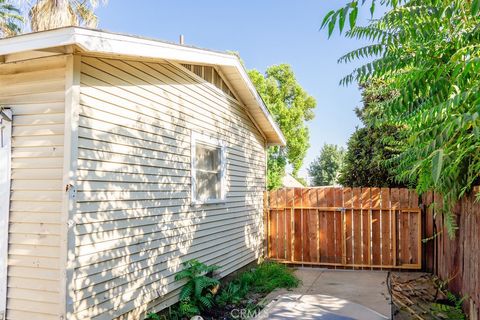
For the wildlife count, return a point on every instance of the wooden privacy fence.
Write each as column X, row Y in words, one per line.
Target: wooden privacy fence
column 344, row 227
column 456, row 260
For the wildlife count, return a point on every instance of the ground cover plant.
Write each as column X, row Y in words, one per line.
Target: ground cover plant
column 203, row 295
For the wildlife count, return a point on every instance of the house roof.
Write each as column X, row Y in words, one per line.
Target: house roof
column 107, row 43
column 289, row 181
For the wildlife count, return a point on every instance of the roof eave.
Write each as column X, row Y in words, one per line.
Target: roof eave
column 101, row 42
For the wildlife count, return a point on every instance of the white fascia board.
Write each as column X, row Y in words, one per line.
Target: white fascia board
column 261, row 104
column 101, row 42
column 111, row 43
column 37, row 41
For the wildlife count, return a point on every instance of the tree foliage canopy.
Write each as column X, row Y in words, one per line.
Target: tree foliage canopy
column 371, row 150
column 325, row 168
column 427, row 52
column 291, row 106
column 50, row 14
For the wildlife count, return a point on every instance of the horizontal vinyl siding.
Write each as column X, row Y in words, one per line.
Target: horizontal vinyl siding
column 35, row 91
column 134, row 222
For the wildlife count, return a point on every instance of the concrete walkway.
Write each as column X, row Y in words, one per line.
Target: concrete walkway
column 332, row 294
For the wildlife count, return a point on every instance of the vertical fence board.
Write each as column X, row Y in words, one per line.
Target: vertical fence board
column 290, row 196
column 322, row 217
column 297, row 236
column 338, row 203
column 376, row 242
column 385, row 216
column 348, row 198
column 330, row 222
column 404, row 235
column 357, row 226
column 366, row 225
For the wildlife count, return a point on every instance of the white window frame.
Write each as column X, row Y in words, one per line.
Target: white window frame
column 198, row 138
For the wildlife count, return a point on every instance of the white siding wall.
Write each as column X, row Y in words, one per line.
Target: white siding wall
column 134, row 222
column 35, row 90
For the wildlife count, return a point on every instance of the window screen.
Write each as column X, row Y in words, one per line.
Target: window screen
column 207, row 169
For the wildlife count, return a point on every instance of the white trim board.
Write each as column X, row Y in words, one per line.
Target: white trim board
column 5, row 163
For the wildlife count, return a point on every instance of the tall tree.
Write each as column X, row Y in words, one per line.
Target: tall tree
column 371, row 150
column 50, row 14
column 10, row 19
column 429, row 52
column 325, row 168
column 292, row 107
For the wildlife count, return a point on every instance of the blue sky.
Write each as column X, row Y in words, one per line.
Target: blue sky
column 264, row 32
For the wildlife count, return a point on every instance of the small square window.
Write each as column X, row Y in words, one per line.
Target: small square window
column 208, row 170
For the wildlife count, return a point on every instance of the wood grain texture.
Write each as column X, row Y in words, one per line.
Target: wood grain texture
column 353, row 227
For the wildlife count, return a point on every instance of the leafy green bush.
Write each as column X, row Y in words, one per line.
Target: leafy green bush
column 262, row 279
column 198, row 292
column 153, row 316
column 269, row 276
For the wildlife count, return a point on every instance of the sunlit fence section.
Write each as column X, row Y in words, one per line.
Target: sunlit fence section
column 344, row 227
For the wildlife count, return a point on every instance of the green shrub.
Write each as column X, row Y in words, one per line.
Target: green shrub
column 262, row 279
column 198, row 292
column 153, row 316
column 269, row 276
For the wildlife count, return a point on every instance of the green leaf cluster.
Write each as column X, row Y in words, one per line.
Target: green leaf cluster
column 263, row 279
column 452, row 310
column 291, row 107
column 324, row 170
column 427, row 52
column 10, row 19
column 198, row 292
column 371, row 150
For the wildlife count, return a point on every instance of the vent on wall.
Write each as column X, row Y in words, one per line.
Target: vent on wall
column 211, row 75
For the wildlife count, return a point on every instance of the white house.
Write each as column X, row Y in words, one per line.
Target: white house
column 120, row 158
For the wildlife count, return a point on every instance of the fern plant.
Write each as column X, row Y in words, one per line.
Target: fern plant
column 427, row 52
column 198, row 292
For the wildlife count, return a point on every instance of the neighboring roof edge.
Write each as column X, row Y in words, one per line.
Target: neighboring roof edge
column 103, row 42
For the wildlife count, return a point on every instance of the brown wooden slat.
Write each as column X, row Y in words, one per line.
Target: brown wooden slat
column 375, row 226
column 305, row 236
column 289, row 197
column 366, row 225
column 273, row 234
column 348, row 198
column 338, row 202
column 330, row 222
column 386, row 224
column 288, row 235
column 288, row 223
column 297, row 237
column 312, row 235
column 404, row 233
column 281, row 233
column 356, row 202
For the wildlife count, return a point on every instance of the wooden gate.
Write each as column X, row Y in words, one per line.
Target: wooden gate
column 344, row 227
